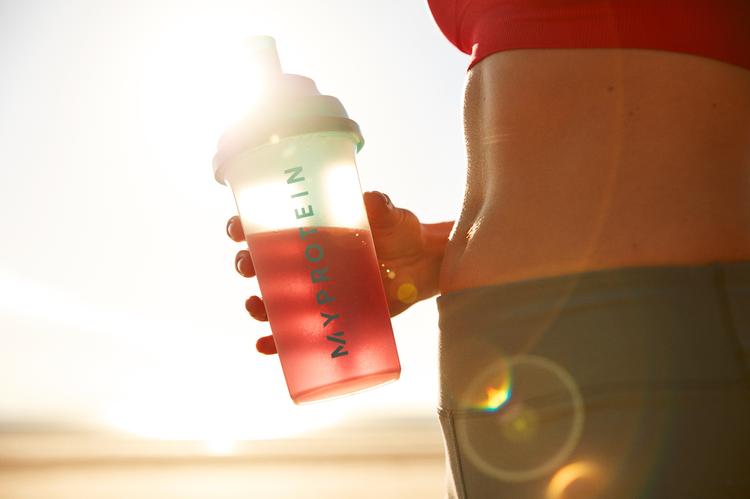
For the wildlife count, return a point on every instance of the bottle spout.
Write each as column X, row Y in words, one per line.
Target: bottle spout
column 263, row 55
column 265, row 60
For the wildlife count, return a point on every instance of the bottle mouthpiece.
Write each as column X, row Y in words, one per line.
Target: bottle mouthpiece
column 263, row 55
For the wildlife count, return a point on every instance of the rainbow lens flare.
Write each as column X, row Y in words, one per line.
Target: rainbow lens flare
column 491, row 389
column 497, row 395
column 521, row 418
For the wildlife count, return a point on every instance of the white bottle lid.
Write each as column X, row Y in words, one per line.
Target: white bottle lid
column 294, row 106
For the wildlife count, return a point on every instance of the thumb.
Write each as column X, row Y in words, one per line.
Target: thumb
column 380, row 210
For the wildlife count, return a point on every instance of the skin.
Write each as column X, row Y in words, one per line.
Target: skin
column 578, row 159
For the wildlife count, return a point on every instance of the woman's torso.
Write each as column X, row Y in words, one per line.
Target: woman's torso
column 584, row 159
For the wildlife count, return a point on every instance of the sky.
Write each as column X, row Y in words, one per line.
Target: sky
column 119, row 303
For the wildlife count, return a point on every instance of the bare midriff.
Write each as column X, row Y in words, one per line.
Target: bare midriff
column 588, row 159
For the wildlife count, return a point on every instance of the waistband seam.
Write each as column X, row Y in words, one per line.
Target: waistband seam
column 630, row 276
column 594, row 393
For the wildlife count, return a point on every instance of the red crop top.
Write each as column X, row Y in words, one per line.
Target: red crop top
column 719, row 29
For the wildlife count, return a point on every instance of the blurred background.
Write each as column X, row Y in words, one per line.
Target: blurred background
column 127, row 361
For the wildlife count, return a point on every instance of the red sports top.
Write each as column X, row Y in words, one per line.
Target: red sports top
column 719, row 29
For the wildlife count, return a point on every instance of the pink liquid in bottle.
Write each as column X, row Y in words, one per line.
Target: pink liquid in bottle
column 328, row 312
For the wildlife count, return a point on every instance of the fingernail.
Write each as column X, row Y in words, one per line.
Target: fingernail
column 387, row 200
column 229, row 222
column 238, row 263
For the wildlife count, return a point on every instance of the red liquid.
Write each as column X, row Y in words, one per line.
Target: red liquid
column 304, row 273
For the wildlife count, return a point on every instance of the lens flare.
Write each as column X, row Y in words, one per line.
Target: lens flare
column 578, row 480
column 490, row 390
column 520, row 423
column 521, row 418
column 407, row 293
column 497, row 394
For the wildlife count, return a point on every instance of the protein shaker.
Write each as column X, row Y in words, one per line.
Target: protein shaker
column 291, row 167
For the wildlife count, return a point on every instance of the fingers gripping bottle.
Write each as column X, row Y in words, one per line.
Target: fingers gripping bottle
column 291, row 168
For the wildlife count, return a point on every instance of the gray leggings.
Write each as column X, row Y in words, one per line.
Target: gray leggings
column 621, row 383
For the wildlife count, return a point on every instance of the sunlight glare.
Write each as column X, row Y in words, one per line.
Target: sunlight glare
column 264, row 207
column 198, row 81
column 220, row 416
column 221, row 446
column 344, row 201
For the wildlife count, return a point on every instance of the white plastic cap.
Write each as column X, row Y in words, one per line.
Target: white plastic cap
column 293, row 106
column 263, row 55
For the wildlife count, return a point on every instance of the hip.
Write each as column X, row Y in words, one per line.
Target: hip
column 629, row 382
column 500, row 248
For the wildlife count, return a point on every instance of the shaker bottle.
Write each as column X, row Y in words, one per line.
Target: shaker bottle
column 290, row 165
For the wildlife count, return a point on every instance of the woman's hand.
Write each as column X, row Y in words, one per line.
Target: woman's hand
column 409, row 254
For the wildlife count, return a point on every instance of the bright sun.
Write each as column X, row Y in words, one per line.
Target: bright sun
column 195, row 84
